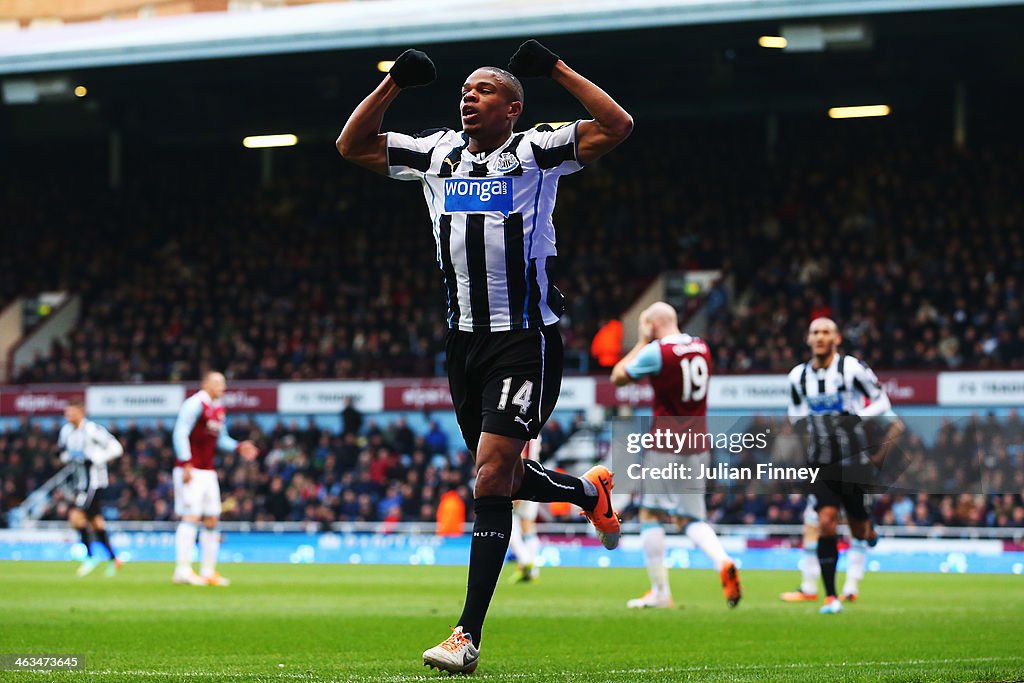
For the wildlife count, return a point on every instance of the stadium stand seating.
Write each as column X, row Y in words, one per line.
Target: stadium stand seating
column 914, row 246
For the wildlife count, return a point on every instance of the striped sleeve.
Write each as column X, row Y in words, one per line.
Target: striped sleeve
column 105, row 446
column 797, row 406
column 409, row 155
column 866, row 383
column 556, row 149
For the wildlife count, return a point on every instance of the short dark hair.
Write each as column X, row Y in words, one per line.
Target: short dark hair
column 76, row 402
column 511, row 81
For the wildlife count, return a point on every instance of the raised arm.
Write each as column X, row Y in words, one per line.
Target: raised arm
column 611, row 123
column 621, row 375
column 361, row 141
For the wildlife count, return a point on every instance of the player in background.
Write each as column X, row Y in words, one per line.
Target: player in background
column 830, row 396
column 491, row 193
column 679, row 369
column 89, row 447
column 810, row 570
column 524, row 542
column 199, row 432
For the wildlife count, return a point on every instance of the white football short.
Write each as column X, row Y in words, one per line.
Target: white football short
column 198, row 498
column 680, row 498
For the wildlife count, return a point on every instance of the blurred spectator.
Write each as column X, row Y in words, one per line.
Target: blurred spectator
column 436, row 440
column 351, row 418
column 451, row 514
column 607, row 344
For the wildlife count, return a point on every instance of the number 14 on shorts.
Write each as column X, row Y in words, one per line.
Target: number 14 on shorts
column 521, row 398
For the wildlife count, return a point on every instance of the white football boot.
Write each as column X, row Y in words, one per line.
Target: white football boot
column 455, row 655
column 188, row 577
column 652, row 599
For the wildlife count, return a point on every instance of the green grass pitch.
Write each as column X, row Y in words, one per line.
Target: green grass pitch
column 358, row 623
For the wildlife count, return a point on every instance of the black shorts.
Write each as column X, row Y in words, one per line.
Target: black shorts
column 89, row 502
column 504, row 383
column 844, row 486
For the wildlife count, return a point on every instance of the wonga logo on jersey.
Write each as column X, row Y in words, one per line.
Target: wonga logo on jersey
column 826, row 404
column 478, row 194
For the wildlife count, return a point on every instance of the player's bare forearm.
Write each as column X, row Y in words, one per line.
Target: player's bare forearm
column 889, row 441
column 611, row 123
column 361, row 141
column 620, row 377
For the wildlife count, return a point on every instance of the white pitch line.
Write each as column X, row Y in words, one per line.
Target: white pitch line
column 567, row 675
column 819, row 665
column 209, row 674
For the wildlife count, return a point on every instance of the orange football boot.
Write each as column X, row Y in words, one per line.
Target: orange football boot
column 731, row 584
column 603, row 516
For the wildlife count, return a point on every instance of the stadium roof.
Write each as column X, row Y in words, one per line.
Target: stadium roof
column 396, row 22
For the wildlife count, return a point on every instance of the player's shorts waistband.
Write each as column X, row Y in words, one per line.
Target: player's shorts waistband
column 484, row 331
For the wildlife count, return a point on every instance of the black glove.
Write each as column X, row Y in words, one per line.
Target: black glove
column 413, row 68
column 532, row 60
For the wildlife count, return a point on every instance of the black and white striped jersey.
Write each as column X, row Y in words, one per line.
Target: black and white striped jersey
column 833, row 402
column 491, row 217
column 89, row 447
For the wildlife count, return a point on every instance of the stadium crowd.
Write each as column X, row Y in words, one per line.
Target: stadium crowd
column 385, row 472
column 912, row 244
column 368, row 472
column 914, row 248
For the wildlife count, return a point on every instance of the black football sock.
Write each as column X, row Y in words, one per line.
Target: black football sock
column 491, row 532
column 101, row 536
column 828, row 556
column 547, row 486
column 84, row 532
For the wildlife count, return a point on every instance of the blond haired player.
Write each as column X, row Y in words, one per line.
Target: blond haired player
column 199, row 432
column 679, row 368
